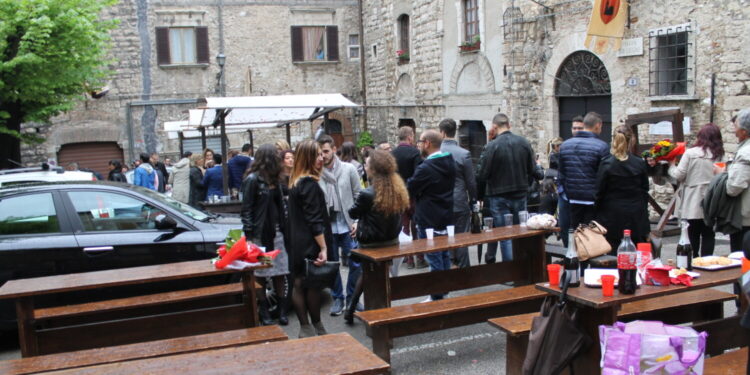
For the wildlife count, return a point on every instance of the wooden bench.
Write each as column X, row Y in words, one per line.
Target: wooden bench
column 387, row 323
column 85, row 321
column 328, row 354
column 694, row 306
column 731, row 363
column 151, row 349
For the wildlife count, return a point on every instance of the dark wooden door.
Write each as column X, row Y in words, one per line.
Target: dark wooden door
column 580, row 105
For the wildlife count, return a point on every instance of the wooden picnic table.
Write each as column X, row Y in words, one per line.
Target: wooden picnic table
column 595, row 310
column 528, row 265
column 24, row 291
column 329, row 354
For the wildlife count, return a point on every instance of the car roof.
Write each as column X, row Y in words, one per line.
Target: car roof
column 47, row 186
column 18, row 176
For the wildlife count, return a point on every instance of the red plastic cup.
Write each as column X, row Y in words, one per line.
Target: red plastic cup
column 608, row 285
column 721, row 165
column 553, row 271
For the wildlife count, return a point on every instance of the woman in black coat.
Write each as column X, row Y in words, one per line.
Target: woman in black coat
column 115, row 172
column 263, row 221
column 310, row 233
column 197, row 191
column 622, row 191
column 378, row 211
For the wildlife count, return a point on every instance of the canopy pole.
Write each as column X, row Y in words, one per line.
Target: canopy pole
column 288, row 135
column 203, row 139
column 182, row 149
column 325, row 124
column 224, row 165
column 252, row 143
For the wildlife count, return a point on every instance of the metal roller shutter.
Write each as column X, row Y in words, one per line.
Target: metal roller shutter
column 92, row 155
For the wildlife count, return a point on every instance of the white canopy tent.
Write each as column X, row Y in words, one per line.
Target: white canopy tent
column 259, row 112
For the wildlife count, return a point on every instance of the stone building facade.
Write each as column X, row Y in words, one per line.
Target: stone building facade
column 150, row 86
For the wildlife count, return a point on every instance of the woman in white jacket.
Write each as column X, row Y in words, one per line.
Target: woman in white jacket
column 180, row 180
column 694, row 173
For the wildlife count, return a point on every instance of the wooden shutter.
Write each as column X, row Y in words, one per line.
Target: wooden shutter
column 201, row 45
column 332, row 41
column 298, row 53
column 162, row 46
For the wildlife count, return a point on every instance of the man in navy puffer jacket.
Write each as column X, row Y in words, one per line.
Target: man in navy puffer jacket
column 580, row 157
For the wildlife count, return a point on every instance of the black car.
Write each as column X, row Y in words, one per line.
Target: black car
column 58, row 228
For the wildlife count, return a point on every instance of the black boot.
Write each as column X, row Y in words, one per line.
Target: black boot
column 349, row 313
column 265, row 316
column 283, row 309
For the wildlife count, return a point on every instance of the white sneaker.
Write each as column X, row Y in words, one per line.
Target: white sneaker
column 429, row 299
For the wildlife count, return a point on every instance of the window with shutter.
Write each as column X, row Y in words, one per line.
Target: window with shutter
column 182, row 45
column 315, row 43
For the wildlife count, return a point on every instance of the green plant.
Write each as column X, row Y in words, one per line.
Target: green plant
column 365, row 139
column 471, row 43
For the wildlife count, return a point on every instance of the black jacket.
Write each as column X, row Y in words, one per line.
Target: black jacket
column 507, row 167
column 116, row 176
column 197, row 191
column 407, row 159
column 432, row 188
column 308, row 217
column 373, row 226
column 256, row 200
column 580, row 157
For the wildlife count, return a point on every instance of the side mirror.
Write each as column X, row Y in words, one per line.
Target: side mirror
column 165, row 222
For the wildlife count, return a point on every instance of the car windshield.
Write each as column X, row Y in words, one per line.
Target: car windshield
column 182, row 207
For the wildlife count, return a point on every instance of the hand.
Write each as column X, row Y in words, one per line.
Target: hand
column 719, row 170
column 322, row 258
column 353, row 231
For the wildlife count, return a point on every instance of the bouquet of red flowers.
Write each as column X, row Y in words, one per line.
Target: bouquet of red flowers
column 240, row 254
column 665, row 150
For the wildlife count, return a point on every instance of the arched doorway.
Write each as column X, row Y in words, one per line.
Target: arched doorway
column 582, row 85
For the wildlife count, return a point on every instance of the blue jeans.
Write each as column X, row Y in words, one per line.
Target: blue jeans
column 438, row 261
column 345, row 241
column 500, row 206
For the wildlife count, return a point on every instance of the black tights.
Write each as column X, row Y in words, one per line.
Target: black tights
column 702, row 238
column 306, row 301
column 358, row 288
column 278, row 286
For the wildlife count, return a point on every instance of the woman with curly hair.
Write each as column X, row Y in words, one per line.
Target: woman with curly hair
column 263, row 221
column 377, row 210
column 694, row 173
column 310, row 234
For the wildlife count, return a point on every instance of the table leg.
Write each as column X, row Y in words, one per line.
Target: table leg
column 26, row 333
column 589, row 319
column 251, row 301
column 534, row 254
column 377, row 284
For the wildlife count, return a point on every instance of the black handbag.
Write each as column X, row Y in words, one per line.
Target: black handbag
column 320, row 277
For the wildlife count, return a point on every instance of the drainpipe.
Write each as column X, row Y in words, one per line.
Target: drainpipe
column 362, row 53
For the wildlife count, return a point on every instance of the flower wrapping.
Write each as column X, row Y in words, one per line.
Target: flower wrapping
column 241, row 254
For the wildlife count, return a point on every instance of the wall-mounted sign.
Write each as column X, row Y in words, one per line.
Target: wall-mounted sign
column 631, row 47
column 665, row 127
column 632, row 81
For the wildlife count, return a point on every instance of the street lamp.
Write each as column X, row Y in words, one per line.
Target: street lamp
column 221, row 60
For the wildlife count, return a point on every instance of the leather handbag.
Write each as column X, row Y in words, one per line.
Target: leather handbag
column 590, row 240
column 320, row 277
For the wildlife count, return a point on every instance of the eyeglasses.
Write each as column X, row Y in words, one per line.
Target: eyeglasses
column 421, row 141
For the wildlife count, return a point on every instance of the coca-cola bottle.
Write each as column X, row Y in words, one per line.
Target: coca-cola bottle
column 572, row 266
column 627, row 265
column 476, row 221
column 684, row 249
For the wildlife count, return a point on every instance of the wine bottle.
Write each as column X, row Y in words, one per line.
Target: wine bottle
column 571, row 263
column 684, row 249
column 476, row 221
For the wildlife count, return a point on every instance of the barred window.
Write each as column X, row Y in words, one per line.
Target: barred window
column 671, row 61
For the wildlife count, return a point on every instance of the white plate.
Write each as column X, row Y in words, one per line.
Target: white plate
column 673, row 274
column 736, row 255
column 713, row 267
column 592, row 277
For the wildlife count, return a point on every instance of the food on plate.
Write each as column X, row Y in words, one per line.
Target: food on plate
column 711, row 261
column 680, row 271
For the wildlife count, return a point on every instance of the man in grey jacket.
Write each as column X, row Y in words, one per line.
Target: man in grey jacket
column 340, row 183
column 738, row 181
column 464, row 189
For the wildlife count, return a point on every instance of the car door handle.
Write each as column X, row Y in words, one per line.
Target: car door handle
column 97, row 249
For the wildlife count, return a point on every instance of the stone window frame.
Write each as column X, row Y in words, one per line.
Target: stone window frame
column 656, row 72
column 164, row 48
column 351, row 47
column 331, row 39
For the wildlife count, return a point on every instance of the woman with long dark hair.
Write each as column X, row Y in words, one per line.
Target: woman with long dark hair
column 622, row 191
column 263, row 221
column 694, row 173
column 115, row 171
column 378, row 211
column 309, row 233
column 287, row 164
column 349, row 155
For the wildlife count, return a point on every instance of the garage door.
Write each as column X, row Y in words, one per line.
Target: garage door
column 92, row 155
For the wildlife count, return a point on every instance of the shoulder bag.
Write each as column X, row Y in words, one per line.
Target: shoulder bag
column 320, row 277
column 590, row 240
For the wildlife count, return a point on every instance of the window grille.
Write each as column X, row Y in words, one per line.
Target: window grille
column 671, row 61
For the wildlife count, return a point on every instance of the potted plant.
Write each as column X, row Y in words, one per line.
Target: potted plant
column 403, row 56
column 471, row 45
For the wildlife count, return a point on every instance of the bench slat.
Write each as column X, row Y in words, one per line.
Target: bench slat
column 449, row 305
column 69, row 360
column 521, row 324
column 138, row 301
column 732, row 363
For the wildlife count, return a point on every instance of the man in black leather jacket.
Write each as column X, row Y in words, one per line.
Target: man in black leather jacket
column 506, row 169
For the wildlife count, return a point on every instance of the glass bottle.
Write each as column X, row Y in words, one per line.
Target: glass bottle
column 627, row 259
column 571, row 263
column 684, row 249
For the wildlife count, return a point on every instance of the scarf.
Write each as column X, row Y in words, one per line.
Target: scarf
column 329, row 177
